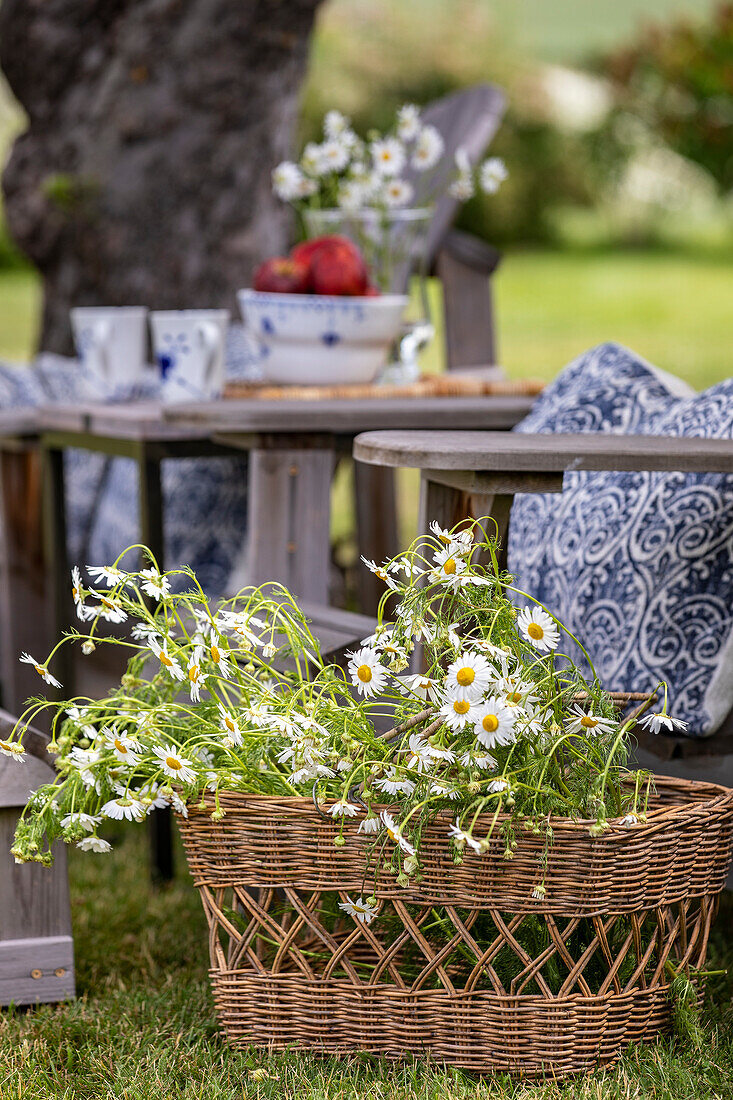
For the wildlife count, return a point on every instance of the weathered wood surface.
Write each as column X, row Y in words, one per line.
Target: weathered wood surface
column 36, row 948
column 150, row 421
column 464, row 266
column 514, row 452
column 377, row 538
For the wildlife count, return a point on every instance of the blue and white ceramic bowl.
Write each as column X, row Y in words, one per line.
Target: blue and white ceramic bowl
column 319, row 339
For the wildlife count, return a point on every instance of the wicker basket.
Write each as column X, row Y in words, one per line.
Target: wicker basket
column 442, row 969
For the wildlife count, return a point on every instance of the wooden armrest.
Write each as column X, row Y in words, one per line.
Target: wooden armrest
column 515, row 452
column 471, row 251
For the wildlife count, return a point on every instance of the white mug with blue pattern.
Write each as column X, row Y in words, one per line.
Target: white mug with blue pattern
column 110, row 343
column 188, row 345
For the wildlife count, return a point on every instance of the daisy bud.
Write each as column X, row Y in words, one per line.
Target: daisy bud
column 338, row 841
column 88, row 647
column 403, row 879
column 473, row 787
column 217, row 815
column 598, row 828
column 508, row 852
column 458, row 858
column 411, row 864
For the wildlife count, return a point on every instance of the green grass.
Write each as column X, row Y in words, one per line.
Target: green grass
column 20, row 302
column 144, row 1027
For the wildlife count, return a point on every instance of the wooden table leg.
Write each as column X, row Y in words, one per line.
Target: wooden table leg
column 57, row 564
column 289, row 513
column 376, row 527
column 150, row 506
column 24, row 624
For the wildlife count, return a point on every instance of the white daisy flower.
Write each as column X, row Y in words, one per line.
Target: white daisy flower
column 109, row 609
column 517, row 692
column 494, row 723
column 334, row 155
column 143, row 632
column 196, row 678
column 170, row 664
column 629, row 820
column 461, row 838
column 497, row 786
column 107, row 574
column 360, row 910
column 87, row 822
column 581, row 721
column 388, row 156
column 125, row 748
column 448, row 569
column 94, row 844
column 335, row 124
column 286, row 179
column 398, row 192
column 155, row 584
column 408, row 122
column 77, row 594
column 220, row 661
column 658, row 722
column 428, row 149
column 406, row 566
column 459, row 542
column 26, row 659
column 474, row 759
column 395, row 833
column 311, row 160
column 469, row 676
column 174, row 765
column 370, row 824
column 259, row 714
column 424, row 687
column 342, row 808
column 419, row 756
column 492, row 174
column 462, row 187
column 442, row 791
column 392, row 784
column 457, row 712
column 13, row 750
column 351, row 195
column 123, row 808
column 538, row 628
column 367, row 674
column 380, row 571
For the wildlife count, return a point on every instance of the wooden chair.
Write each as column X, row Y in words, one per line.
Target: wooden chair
column 467, row 119
column 36, row 946
column 478, row 473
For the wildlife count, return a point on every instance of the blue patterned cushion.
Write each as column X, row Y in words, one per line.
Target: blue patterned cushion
column 638, row 565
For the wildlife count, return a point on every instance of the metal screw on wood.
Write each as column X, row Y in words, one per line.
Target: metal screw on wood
column 59, row 972
column 36, row 973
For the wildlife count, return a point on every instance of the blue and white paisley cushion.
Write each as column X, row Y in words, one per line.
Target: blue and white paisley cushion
column 638, row 565
column 205, row 500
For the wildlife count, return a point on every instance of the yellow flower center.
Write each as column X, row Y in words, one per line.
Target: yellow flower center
column 215, row 654
column 465, row 676
column 173, row 763
column 106, row 602
column 10, row 746
column 165, row 660
column 392, row 834
column 461, row 706
column 424, row 684
column 449, row 566
column 588, row 722
column 364, row 673
column 40, row 670
column 490, row 723
column 120, row 746
column 229, row 724
column 535, row 631
column 444, row 539
column 514, row 697
column 194, row 673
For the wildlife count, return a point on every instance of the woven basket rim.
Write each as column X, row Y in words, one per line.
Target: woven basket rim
column 719, row 798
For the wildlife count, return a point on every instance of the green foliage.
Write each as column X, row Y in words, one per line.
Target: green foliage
column 678, row 78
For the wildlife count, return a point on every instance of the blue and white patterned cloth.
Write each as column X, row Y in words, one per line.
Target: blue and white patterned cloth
column 638, row 565
column 205, row 500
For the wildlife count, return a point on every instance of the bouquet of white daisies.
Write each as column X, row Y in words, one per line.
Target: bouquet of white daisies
column 346, row 171
column 458, row 704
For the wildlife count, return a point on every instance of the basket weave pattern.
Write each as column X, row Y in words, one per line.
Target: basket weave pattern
column 445, row 967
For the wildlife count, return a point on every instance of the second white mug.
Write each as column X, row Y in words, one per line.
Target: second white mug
column 110, row 343
column 188, row 345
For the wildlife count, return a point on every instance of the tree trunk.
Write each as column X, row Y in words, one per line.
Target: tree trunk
column 144, row 175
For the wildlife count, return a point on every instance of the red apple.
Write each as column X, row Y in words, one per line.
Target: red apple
column 339, row 270
column 372, row 291
column 282, row 275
